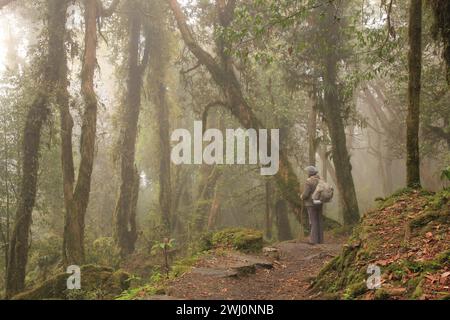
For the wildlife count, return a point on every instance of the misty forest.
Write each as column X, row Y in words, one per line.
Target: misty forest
column 91, row 92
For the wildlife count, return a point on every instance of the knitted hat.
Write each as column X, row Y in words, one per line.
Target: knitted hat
column 311, row 170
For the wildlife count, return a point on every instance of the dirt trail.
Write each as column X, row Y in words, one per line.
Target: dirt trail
column 231, row 275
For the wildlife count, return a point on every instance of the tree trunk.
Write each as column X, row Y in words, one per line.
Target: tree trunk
column 165, row 190
column 312, row 124
column 125, row 212
column 160, row 53
column 76, row 204
column 414, row 85
column 441, row 26
column 214, row 210
column 283, row 226
column 268, row 213
column 56, row 77
column 209, row 175
column 333, row 117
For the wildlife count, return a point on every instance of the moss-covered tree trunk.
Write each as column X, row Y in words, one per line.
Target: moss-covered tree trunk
column 55, row 76
column 268, row 209
column 441, row 28
column 332, row 109
column 414, row 85
column 159, row 64
column 214, row 210
column 77, row 202
column 76, row 194
column 165, row 189
column 312, row 127
column 282, row 219
column 209, row 175
column 125, row 212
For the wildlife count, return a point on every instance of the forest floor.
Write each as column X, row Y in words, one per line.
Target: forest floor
column 285, row 272
column 408, row 238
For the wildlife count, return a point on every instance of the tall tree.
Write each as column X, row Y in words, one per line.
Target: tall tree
column 76, row 194
column 441, row 28
column 312, row 127
column 222, row 71
column 332, row 109
column 268, row 218
column 282, row 219
column 414, row 86
column 54, row 77
column 125, row 212
column 159, row 64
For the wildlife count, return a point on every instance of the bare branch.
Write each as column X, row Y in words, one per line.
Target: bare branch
column 190, row 69
column 204, row 57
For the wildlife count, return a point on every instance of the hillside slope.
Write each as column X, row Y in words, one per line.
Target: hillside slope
column 408, row 237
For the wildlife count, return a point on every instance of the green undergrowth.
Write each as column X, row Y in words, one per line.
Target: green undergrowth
column 97, row 282
column 241, row 239
column 401, row 222
column 157, row 283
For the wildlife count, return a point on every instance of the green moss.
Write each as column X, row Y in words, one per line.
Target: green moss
column 381, row 294
column 446, row 297
column 158, row 281
column 342, row 273
column 355, row 290
column 147, row 290
column 440, row 199
column 182, row 266
column 388, row 201
column 399, row 194
column 418, row 292
column 430, row 216
column 246, row 240
column 443, row 257
column 97, row 282
column 338, row 229
column 345, row 275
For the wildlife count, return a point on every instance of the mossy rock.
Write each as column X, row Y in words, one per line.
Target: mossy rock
column 245, row 240
column 97, row 282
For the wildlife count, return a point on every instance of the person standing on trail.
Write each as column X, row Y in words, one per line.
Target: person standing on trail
column 314, row 208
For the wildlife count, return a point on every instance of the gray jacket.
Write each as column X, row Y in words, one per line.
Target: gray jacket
column 310, row 186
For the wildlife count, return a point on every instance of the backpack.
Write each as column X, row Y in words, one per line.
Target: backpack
column 323, row 192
